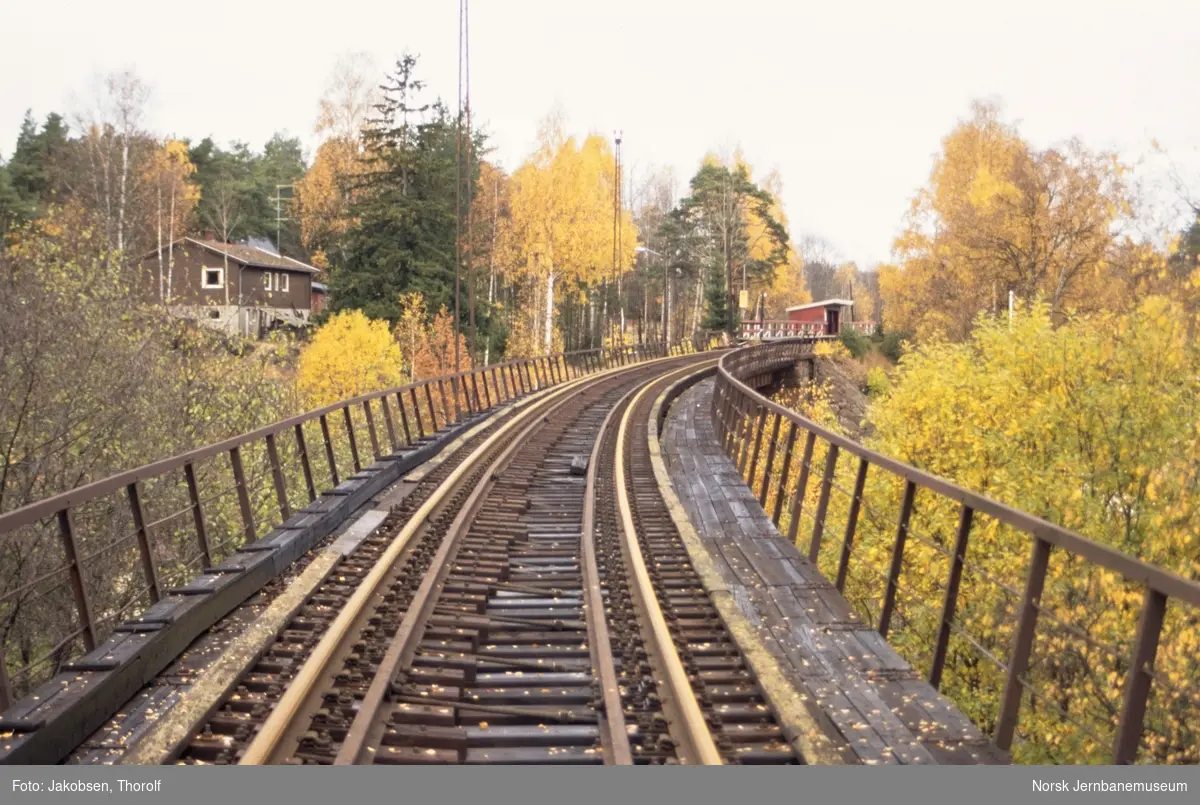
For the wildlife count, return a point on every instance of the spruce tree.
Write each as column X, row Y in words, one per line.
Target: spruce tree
column 405, row 209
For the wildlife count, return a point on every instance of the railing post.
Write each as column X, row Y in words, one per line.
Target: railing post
column 457, row 383
column 771, row 445
column 412, row 396
column 510, row 385
column 1018, row 664
column 329, row 456
column 475, row 391
column 433, row 421
column 761, row 430
column 371, row 433
column 783, row 475
column 189, row 474
column 285, row 511
column 801, row 487
column 818, row 532
column 748, row 428
column 83, row 604
column 860, row 481
column 950, row 601
column 352, row 437
column 239, row 480
column 893, row 581
column 1137, row 684
column 403, row 418
column 143, row 540
column 302, row 448
column 390, row 423
column 491, row 374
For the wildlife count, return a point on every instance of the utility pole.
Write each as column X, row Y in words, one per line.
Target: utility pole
column 458, row 211
column 616, row 234
column 470, row 185
column 279, row 219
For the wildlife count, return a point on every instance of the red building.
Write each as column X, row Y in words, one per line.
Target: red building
column 319, row 295
column 832, row 313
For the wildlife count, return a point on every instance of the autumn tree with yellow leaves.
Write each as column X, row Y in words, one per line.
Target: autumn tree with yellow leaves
column 168, row 171
column 349, row 355
column 561, row 225
column 1000, row 216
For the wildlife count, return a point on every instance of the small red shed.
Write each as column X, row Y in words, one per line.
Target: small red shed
column 833, row 313
column 319, row 294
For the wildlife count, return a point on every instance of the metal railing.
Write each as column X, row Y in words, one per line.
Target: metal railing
column 1055, row 658
column 774, row 329
column 97, row 555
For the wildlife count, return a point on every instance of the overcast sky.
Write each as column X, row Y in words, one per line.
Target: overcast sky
column 848, row 100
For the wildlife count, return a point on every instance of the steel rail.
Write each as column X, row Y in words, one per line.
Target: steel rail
column 365, row 731
column 690, row 728
column 267, row 744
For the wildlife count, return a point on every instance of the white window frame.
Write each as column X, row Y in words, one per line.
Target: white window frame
column 281, row 283
column 204, row 278
column 267, row 279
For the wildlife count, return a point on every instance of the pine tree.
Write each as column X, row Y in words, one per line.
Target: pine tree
column 37, row 168
column 716, row 221
column 403, row 239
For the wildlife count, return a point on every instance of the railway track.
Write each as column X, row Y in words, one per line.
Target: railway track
column 529, row 603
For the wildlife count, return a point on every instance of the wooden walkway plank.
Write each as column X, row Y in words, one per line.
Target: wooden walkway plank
column 866, row 690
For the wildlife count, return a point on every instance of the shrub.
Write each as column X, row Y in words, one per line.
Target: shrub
column 855, row 342
column 893, row 346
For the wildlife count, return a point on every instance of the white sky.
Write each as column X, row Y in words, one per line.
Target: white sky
column 848, row 100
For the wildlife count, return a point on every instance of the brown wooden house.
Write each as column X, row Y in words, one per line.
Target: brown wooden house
column 232, row 287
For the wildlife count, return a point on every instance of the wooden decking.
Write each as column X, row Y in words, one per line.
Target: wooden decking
column 874, row 701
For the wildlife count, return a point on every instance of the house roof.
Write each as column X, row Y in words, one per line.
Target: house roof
column 253, row 256
column 822, row 303
column 320, row 287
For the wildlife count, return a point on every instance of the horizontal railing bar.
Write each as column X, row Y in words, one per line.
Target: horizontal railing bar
column 48, row 507
column 1133, row 569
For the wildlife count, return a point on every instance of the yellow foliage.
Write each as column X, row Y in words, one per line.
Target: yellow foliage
column 561, row 225
column 412, row 328
column 322, row 197
column 1092, row 425
column 999, row 216
column 435, row 353
column 349, row 355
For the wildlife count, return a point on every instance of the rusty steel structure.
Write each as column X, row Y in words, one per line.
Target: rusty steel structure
column 755, row 431
column 157, row 529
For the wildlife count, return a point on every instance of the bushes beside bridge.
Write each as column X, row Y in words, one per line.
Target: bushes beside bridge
column 1092, row 425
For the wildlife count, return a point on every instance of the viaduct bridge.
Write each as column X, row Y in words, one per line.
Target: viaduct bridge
column 613, row 556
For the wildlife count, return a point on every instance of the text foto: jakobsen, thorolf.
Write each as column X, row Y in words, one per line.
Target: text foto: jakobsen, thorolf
column 82, row 786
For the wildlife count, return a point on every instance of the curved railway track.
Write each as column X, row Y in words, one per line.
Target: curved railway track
column 530, row 602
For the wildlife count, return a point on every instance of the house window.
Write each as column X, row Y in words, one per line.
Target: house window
column 281, row 283
column 213, row 278
column 267, row 280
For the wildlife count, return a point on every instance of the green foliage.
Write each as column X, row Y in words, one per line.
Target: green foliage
column 36, row 174
column 96, row 383
column 855, row 342
column 723, row 230
column 892, row 346
column 404, row 235
column 716, row 307
column 238, row 189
